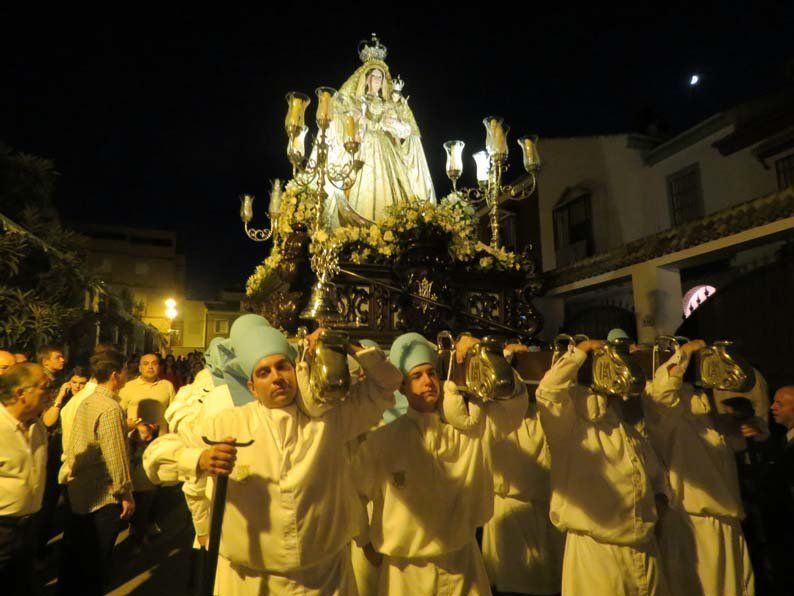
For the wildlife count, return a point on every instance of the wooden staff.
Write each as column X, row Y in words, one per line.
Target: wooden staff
column 216, row 523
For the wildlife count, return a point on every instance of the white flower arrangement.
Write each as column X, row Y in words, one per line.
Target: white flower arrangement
column 383, row 240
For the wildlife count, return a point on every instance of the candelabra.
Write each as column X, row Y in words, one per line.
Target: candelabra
column 491, row 167
column 312, row 174
column 247, row 214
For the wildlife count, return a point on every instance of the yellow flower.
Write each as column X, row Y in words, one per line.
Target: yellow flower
column 388, row 236
column 486, row 262
column 320, row 236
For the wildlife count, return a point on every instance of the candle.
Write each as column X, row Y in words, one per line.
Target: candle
column 324, row 96
column 499, row 138
column 296, row 107
column 496, row 136
column 350, row 128
column 275, row 197
column 297, row 143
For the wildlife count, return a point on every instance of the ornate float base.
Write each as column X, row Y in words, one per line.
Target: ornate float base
column 375, row 301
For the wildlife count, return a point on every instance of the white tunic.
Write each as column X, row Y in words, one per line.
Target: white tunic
column 521, row 548
column 187, row 402
column 289, row 511
column 604, row 479
column 431, row 488
column 702, row 543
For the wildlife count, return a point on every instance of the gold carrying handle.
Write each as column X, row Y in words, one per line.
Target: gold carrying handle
column 570, row 340
column 662, row 343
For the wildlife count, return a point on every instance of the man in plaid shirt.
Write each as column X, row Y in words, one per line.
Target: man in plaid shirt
column 99, row 485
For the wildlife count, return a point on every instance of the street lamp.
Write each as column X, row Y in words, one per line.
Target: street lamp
column 170, row 309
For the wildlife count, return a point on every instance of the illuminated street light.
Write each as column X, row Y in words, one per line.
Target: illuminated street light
column 170, row 309
column 694, row 80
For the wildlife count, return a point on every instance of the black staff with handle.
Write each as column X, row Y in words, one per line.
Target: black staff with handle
column 216, row 521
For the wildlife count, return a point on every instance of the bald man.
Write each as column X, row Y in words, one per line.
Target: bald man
column 780, row 492
column 783, row 413
column 6, row 361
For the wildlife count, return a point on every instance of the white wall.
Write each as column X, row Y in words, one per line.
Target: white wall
column 611, row 171
column 726, row 180
column 629, row 199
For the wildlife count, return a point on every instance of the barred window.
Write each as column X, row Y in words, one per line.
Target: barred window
column 686, row 195
column 573, row 230
column 785, row 171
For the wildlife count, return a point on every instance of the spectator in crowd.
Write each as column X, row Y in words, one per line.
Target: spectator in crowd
column 145, row 401
column 100, row 483
column 76, row 382
column 69, row 410
column 169, row 372
column 6, row 361
column 53, row 361
column 51, row 419
column 783, row 413
column 779, row 489
column 132, row 368
column 51, row 358
column 23, row 459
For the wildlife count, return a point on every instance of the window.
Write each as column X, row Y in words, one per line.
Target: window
column 105, row 265
column 222, row 326
column 785, row 171
column 573, row 230
column 141, row 268
column 176, row 333
column 508, row 228
column 686, row 195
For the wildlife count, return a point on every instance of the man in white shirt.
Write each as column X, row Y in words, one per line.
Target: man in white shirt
column 702, row 545
column 429, row 481
column 604, row 478
column 289, row 514
column 147, row 396
column 145, row 400
column 23, row 463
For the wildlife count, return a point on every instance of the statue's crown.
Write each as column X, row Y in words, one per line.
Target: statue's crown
column 372, row 49
column 397, row 84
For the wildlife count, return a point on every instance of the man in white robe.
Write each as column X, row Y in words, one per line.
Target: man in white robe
column 702, row 544
column 289, row 515
column 430, row 482
column 604, row 480
column 521, row 548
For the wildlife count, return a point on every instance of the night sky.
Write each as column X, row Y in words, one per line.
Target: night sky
column 162, row 117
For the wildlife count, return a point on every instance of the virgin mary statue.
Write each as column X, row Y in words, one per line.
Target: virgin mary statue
column 395, row 168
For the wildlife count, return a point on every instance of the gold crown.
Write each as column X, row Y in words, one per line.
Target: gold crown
column 372, row 49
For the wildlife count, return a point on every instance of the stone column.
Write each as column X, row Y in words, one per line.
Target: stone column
column 553, row 310
column 657, row 300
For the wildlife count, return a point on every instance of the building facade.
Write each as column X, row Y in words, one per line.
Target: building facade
column 639, row 234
